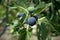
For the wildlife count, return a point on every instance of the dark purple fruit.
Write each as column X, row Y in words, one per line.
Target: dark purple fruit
column 20, row 15
column 32, row 21
column 35, row 17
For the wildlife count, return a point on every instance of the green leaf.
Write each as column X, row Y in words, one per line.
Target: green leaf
column 41, row 9
column 41, row 20
column 22, row 34
column 27, row 36
column 23, row 3
column 42, row 31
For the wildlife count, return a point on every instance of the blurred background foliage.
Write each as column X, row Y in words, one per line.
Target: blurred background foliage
column 47, row 11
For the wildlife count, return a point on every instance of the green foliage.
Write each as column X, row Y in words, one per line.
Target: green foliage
column 48, row 13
